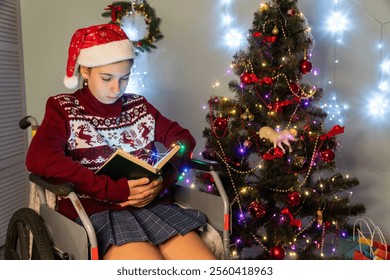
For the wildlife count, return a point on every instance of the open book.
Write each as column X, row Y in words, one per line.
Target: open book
column 124, row 165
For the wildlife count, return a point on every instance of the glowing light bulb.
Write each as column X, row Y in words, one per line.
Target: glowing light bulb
column 385, row 66
column 337, row 22
column 234, row 38
column 227, row 20
column 384, row 86
column 378, row 106
column 215, row 83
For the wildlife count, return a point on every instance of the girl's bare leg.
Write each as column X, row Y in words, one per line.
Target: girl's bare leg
column 187, row 247
column 133, row 251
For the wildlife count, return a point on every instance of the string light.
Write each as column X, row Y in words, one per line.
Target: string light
column 337, row 22
column 385, row 67
column 234, row 38
column 136, row 29
column 334, row 110
column 378, row 106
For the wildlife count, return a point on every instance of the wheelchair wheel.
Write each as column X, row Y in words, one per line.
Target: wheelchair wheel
column 27, row 237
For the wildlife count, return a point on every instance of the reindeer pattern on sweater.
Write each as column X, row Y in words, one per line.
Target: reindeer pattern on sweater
column 133, row 130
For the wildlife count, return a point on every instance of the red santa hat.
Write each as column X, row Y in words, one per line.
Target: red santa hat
column 96, row 45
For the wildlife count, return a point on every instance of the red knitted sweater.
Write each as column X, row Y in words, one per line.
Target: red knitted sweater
column 78, row 134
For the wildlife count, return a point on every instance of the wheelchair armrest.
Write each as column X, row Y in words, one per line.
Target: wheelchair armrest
column 203, row 165
column 55, row 186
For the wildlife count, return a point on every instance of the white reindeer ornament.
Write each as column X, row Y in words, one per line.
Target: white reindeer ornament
column 278, row 138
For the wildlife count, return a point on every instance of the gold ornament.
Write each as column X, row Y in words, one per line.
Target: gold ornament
column 264, row 7
column 247, row 116
column 275, row 30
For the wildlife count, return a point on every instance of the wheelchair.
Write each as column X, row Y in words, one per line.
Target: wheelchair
column 45, row 234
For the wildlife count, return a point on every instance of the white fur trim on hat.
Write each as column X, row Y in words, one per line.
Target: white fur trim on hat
column 106, row 53
column 98, row 56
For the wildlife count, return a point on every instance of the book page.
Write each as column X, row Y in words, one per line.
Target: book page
column 136, row 160
column 158, row 165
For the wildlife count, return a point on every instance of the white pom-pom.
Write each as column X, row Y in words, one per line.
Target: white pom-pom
column 71, row 82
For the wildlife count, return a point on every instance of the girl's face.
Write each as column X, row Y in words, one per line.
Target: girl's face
column 107, row 83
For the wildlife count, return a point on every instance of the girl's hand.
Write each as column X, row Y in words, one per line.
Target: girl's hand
column 142, row 192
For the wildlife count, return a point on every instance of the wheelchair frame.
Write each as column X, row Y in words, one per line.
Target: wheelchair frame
column 50, row 235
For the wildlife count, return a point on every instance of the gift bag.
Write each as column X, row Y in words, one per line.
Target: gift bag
column 358, row 255
column 372, row 244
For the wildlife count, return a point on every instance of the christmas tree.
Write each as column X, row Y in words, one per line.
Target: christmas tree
column 277, row 154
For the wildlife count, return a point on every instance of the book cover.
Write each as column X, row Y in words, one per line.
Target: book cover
column 124, row 165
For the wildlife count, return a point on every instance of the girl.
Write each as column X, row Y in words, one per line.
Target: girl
column 133, row 219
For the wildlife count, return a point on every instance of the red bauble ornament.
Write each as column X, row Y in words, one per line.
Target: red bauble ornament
column 305, row 66
column 277, row 253
column 257, row 209
column 294, row 87
column 327, row 155
column 294, row 198
column 220, row 123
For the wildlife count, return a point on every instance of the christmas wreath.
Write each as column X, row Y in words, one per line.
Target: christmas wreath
column 117, row 10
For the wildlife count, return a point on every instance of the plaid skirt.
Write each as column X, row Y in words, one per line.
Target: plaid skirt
column 156, row 224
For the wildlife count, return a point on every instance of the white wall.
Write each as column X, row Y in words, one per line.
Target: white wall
column 191, row 55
